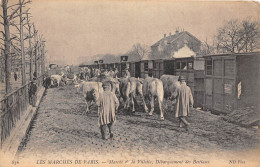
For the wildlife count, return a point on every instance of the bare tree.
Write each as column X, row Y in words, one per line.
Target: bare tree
column 229, row 36
column 251, row 35
column 238, row 36
column 207, row 48
column 140, row 50
column 7, row 21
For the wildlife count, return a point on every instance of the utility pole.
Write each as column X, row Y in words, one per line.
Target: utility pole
column 22, row 45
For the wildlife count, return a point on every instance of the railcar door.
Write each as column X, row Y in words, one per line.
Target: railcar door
column 137, row 70
column 169, row 67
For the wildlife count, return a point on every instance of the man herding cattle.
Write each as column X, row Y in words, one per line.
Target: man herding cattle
column 184, row 103
column 107, row 106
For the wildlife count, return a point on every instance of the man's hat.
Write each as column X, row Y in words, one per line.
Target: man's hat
column 181, row 78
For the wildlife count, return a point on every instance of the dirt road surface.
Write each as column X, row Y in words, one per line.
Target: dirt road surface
column 62, row 130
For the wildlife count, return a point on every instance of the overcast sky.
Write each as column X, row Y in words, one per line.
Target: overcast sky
column 77, row 28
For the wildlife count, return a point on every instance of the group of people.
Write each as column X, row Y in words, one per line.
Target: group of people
column 111, row 72
column 108, row 105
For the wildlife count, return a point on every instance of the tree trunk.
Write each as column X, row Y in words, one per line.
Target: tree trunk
column 30, row 52
column 22, row 47
column 7, row 44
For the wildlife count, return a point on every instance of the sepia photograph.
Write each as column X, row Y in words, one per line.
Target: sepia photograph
column 140, row 83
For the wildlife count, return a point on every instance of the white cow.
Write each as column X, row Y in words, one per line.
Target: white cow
column 91, row 92
column 56, row 78
column 153, row 88
column 129, row 87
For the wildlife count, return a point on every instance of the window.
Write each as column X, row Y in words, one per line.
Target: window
column 178, row 65
column 209, row 67
column 190, row 65
column 146, row 66
column 154, row 65
column 183, row 65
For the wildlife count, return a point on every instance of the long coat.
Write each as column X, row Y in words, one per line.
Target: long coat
column 184, row 100
column 107, row 103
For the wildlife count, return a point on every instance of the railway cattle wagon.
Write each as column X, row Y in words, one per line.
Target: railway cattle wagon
column 158, row 68
column 193, row 69
column 232, row 81
column 135, row 69
column 146, row 67
column 122, row 66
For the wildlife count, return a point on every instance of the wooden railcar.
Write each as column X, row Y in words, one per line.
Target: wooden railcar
column 232, row 81
column 190, row 67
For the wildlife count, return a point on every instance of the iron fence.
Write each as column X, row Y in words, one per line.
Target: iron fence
column 13, row 106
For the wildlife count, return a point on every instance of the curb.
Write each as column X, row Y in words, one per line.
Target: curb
column 18, row 134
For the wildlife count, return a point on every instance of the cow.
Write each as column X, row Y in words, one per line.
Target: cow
column 170, row 86
column 129, row 87
column 56, row 78
column 91, row 92
column 153, row 88
column 113, row 81
column 114, row 84
column 71, row 77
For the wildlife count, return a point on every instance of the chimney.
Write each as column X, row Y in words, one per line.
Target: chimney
column 177, row 31
column 164, row 35
column 170, row 34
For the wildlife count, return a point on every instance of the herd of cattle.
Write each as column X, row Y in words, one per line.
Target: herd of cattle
column 126, row 89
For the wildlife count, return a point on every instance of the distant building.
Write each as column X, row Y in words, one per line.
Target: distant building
column 180, row 44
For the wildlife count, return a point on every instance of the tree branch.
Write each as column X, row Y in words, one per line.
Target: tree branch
column 13, row 24
column 2, row 33
column 1, row 16
column 12, row 6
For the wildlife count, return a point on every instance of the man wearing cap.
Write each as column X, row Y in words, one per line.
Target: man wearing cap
column 184, row 103
column 33, row 93
column 107, row 107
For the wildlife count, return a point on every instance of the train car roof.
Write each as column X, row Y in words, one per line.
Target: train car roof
column 235, row 54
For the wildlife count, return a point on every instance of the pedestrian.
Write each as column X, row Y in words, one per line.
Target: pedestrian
column 115, row 72
column 107, row 106
column 33, row 93
column 15, row 76
column 127, row 73
column 184, row 103
column 35, row 74
column 47, row 82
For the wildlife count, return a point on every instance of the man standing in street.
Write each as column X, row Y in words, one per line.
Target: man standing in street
column 15, row 76
column 33, row 93
column 184, row 103
column 107, row 106
column 127, row 73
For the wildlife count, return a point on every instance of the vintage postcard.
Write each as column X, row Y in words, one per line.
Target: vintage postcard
column 129, row 83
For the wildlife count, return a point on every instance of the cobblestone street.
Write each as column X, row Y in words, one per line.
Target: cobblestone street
column 62, row 129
